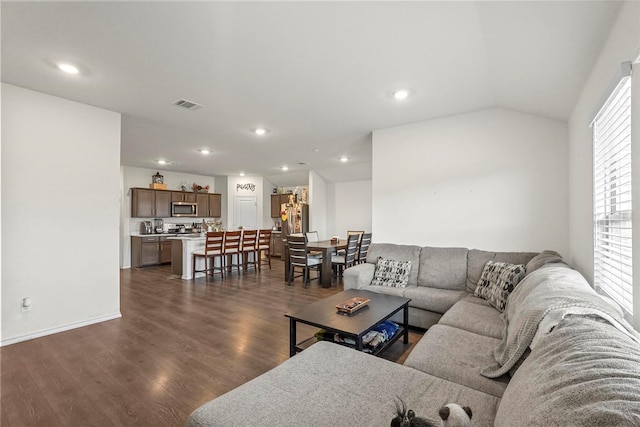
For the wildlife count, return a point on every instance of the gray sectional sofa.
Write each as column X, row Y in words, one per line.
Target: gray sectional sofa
column 559, row 355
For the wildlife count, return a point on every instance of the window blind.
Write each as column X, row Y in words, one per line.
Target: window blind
column 612, row 197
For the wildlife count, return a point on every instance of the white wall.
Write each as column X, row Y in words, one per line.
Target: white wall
column 318, row 205
column 494, row 180
column 233, row 190
column 623, row 45
column 348, row 207
column 132, row 177
column 60, row 214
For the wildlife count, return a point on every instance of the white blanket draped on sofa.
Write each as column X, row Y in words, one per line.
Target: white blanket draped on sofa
column 539, row 302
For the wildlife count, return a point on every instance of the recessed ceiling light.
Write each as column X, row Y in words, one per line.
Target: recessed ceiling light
column 205, row 151
column 162, row 162
column 260, row 131
column 401, row 94
column 241, row 173
column 344, row 159
column 316, row 150
column 285, row 168
column 68, row 68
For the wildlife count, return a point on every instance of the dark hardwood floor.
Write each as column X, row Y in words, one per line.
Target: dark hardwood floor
column 178, row 345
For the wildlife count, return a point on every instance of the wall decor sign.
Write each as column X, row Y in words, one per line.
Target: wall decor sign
column 247, row 186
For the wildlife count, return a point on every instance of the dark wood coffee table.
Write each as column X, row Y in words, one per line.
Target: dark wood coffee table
column 324, row 315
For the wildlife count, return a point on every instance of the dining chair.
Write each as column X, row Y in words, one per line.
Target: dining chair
column 363, row 248
column 342, row 262
column 212, row 249
column 231, row 248
column 312, row 236
column 249, row 249
column 264, row 246
column 298, row 258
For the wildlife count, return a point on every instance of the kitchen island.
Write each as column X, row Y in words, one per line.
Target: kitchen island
column 182, row 248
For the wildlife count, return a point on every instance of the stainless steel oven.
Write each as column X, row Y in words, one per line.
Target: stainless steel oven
column 184, row 209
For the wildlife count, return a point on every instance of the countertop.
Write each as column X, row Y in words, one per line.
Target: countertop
column 138, row 234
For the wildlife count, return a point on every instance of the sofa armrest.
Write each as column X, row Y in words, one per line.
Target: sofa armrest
column 358, row 276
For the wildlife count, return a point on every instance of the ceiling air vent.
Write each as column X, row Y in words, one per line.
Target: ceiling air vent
column 189, row 105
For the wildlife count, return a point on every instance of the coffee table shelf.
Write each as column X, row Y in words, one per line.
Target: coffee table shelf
column 306, row 343
column 323, row 314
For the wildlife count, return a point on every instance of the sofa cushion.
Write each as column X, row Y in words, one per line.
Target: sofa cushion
column 312, row 389
column 497, row 281
column 476, row 260
column 399, row 253
column 584, row 373
column 444, row 268
column 390, row 272
column 459, row 356
column 432, row 299
column 477, row 318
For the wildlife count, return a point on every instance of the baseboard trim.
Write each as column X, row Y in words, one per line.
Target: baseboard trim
column 51, row 331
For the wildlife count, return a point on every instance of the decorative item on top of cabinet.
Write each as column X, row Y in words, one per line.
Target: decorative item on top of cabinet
column 147, row 203
column 157, row 182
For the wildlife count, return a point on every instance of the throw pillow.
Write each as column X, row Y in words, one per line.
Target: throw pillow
column 391, row 273
column 497, row 281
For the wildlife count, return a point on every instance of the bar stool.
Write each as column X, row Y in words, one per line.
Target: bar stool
column 249, row 246
column 231, row 248
column 212, row 250
column 264, row 245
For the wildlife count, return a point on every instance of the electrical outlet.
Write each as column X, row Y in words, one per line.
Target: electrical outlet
column 26, row 304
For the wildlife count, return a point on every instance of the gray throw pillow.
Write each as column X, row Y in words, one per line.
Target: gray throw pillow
column 391, row 273
column 497, row 281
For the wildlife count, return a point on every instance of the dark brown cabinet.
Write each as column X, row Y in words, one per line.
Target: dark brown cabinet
column 147, row 203
column 150, row 250
column 209, row 205
column 165, row 251
column 182, row 196
column 276, row 202
column 277, row 245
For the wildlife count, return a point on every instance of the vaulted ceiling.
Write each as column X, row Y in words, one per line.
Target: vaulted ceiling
column 318, row 75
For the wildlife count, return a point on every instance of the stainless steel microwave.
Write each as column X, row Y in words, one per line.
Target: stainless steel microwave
column 184, row 209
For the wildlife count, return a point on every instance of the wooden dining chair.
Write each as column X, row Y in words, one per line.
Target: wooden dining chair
column 298, row 258
column 231, row 248
column 342, row 262
column 249, row 249
column 213, row 248
column 312, row 237
column 363, row 248
column 264, row 247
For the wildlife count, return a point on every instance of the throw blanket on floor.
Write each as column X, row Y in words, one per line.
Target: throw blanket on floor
column 554, row 292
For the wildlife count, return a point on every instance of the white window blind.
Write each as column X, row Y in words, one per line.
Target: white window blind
column 612, row 197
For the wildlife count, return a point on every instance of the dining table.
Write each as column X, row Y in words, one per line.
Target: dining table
column 327, row 248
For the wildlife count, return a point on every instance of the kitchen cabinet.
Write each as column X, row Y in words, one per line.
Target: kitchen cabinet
column 165, row 250
column 209, row 205
column 147, row 251
column 147, row 203
column 277, row 245
column 182, row 196
column 276, row 201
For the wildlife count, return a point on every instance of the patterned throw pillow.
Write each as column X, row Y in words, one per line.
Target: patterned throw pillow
column 497, row 281
column 391, row 273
